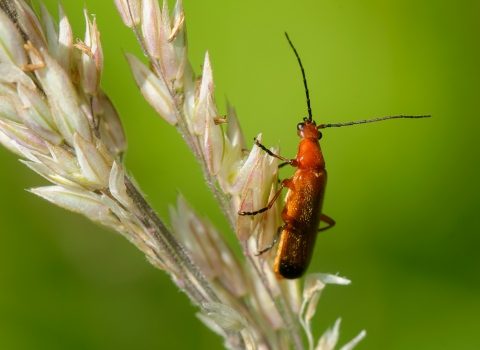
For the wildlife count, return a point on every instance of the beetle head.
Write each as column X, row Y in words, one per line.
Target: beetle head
column 308, row 130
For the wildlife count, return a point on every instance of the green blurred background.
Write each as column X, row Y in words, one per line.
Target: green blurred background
column 404, row 193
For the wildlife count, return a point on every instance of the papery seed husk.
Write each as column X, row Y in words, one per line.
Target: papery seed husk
column 94, row 166
column 244, row 227
column 151, row 18
column 26, row 152
column 234, row 131
column 154, row 91
column 91, row 67
column 64, row 157
column 11, row 43
column 206, row 246
column 262, row 302
column 210, row 324
column 30, row 24
column 206, row 89
column 62, row 98
column 45, row 172
column 224, row 316
column 36, row 114
column 7, row 109
column 12, row 74
column 129, row 11
column 233, row 275
column 312, row 307
column 291, row 290
column 229, row 167
column 23, row 136
column 8, row 144
column 268, row 227
column 117, row 185
column 213, row 145
column 190, row 83
column 168, row 59
column 50, row 28
column 63, row 53
column 352, row 343
column 7, row 89
column 111, row 127
column 79, row 201
column 330, row 338
column 246, row 170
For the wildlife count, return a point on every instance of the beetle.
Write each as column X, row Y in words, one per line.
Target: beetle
column 302, row 212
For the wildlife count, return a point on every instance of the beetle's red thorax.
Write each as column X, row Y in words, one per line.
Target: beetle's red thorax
column 310, row 155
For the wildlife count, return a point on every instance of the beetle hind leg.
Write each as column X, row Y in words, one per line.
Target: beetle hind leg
column 275, row 239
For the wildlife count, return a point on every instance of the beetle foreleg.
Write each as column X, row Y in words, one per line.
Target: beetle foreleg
column 275, row 239
column 328, row 220
column 292, row 162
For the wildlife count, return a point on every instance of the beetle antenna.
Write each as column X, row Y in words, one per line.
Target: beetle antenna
column 304, row 79
column 323, row 126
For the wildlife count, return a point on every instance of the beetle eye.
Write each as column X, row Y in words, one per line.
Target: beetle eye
column 300, row 126
column 319, row 135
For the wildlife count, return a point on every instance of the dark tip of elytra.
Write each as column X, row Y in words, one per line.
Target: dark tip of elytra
column 291, row 271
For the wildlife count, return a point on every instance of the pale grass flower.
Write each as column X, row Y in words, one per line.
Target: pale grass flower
column 54, row 115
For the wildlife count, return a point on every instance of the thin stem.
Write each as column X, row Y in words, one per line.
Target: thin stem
column 291, row 325
column 191, row 141
column 282, row 309
column 195, row 283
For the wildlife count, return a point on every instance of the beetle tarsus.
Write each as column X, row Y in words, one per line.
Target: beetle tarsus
column 244, row 213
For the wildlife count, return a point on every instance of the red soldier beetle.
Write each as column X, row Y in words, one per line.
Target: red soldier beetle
column 302, row 212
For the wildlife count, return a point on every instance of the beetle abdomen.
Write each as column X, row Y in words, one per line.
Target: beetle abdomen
column 301, row 214
column 294, row 253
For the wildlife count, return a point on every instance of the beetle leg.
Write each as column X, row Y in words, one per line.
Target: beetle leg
column 292, row 162
column 270, row 204
column 328, row 220
column 277, row 235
